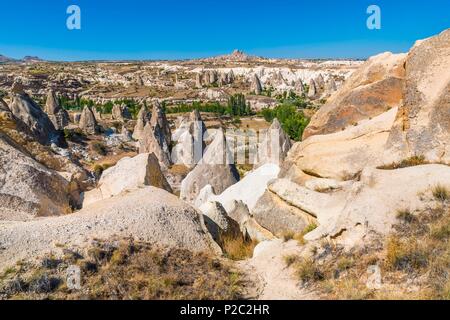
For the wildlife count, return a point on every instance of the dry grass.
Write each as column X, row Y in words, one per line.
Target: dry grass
column 290, row 259
column 414, row 262
column 291, row 235
column 125, row 270
column 308, row 271
column 405, row 215
column 409, row 162
column 237, row 247
column 441, row 193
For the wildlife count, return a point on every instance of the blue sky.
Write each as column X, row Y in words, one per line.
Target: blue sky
column 172, row 29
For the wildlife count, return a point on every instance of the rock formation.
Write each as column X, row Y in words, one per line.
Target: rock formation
column 5, row 113
column 27, row 188
column 120, row 112
column 371, row 90
column 312, row 92
column 215, row 168
column 256, row 85
column 153, row 141
column 299, row 88
column 142, row 119
column 320, row 83
column 159, row 117
column 128, row 174
column 330, row 86
column 274, row 146
column 29, row 113
column 422, row 126
column 393, row 108
column 58, row 116
column 88, row 123
column 343, row 154
column 198, row 81
column 218, row 223
column 248, row 190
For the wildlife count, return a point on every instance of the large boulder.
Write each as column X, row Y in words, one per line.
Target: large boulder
column 29, row 113
column 215, row 168
column 128, row 174
column 218, row 223
column 147, row 214
column 422, row 126
column 278, row 216
column 248, row 190
column 370, row 91
column 58, row 116
column 343, row 154
column 27, row 188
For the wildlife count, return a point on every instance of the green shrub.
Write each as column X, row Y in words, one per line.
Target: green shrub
column 291, row 119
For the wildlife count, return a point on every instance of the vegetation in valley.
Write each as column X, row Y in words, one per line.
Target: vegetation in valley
column 124, row 270
column 292, row 120
column 236, row 106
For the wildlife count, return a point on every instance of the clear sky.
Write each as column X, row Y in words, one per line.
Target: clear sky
column 171, row 29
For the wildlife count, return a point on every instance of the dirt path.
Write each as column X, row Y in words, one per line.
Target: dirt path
column 270, row 278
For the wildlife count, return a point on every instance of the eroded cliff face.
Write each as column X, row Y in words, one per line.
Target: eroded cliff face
column 422, row 126
column 370, row 91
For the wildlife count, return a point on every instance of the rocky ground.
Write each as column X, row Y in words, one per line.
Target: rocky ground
column 120, row 176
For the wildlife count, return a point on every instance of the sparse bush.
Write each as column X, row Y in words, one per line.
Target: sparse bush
column 100, row 148
column 344, row 263
column 99, row 168
column 288, row 235
column 441, row 193
column 308, row 271
column 237, row 247
column 441, row 231
column 405, row 256
column 405, row 216
column 310, row 227
column 290, row 259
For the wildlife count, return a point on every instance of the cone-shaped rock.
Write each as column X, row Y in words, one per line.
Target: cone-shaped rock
column 215, row 169
column 159, row 117
column 142, row 119
column 88, row 123
column 58, row 116
column 153, row 141
column 256, row 85
column 320, row 82
column 312, row 93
